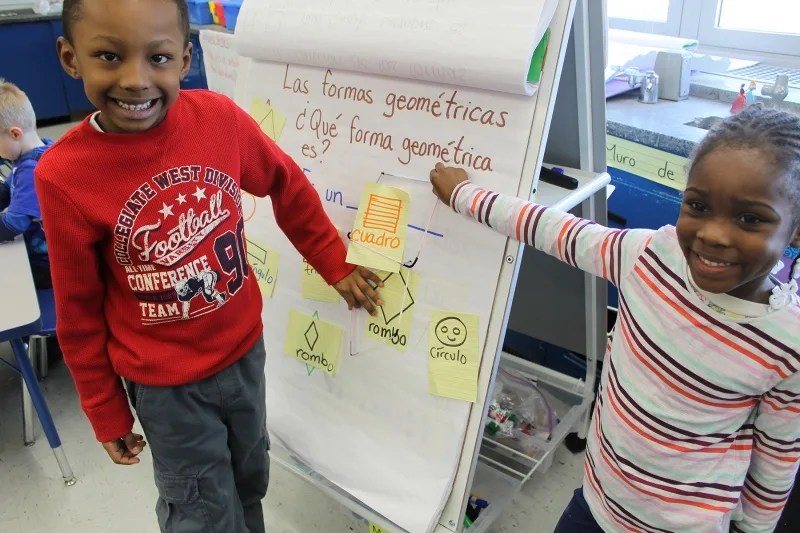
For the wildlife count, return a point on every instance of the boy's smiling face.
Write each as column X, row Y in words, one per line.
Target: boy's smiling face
column 131, row 56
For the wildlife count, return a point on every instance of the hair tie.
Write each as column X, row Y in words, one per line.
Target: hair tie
column 783, row 294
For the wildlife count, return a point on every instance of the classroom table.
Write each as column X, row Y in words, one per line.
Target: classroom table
column 19, row 317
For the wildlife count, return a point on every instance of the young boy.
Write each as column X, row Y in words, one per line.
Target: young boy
column 20, row 144
column 142, row 202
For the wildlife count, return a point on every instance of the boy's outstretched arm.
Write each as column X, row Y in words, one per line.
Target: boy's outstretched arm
column 268, row 171
column 604, row 252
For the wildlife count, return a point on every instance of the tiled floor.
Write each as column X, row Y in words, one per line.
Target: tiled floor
column 120, row 499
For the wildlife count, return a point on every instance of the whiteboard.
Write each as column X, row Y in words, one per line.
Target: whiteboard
column 373, row 428
column 221, row 61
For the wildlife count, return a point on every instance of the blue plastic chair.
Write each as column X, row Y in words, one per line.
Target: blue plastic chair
column 32, row 396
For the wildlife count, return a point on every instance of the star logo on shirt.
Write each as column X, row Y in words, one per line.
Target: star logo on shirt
column 181, row 199
column 166, row 210
column 199, row 193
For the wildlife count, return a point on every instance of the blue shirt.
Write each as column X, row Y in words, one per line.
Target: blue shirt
column 22, row 214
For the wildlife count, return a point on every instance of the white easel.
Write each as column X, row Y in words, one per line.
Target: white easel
column 486, row 465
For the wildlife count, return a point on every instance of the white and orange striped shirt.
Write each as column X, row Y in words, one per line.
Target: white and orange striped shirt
column 697, row 424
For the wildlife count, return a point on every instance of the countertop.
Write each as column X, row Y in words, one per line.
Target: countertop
column 17, row 16
column 664, row 125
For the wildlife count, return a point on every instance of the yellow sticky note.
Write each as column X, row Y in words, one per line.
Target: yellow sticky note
column 373, row 528
column 379, row 234
column 453, row 355
column 313, row 287
column 269, row 119
column 392, row 324
column 264, row 263
column 312, row 341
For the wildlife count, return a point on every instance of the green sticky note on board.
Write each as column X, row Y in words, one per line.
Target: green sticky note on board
column 314, row 287
column 314, row 342
column 453, row 355
column 264, row 262
column 392, row 324
column 373, row 528
column 537, row 61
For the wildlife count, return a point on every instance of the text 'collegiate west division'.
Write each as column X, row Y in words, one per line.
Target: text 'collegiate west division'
column 149, row 257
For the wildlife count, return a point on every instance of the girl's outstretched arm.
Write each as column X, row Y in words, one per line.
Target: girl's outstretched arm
column 605, row 252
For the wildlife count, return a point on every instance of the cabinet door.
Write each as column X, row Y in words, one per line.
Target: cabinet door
column 76, row 97
column 641, row 202
column 30, row 61
column 638, row 202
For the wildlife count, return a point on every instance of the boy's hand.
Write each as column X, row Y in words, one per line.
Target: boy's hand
column 124, row 450
column 357, row 292
column 445, row 180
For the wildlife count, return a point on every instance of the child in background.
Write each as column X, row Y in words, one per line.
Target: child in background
column 697, row 422
column 20, row 144
column 142, row 204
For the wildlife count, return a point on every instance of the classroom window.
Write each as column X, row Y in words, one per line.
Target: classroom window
column 740, row 15
column 769, row 26
column 654, row 11
column 656, row 16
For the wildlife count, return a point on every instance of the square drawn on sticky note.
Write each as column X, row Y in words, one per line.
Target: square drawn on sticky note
column 383, row 213
column 378, row 238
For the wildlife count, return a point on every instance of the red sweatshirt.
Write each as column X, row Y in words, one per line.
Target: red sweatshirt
column 147, row 247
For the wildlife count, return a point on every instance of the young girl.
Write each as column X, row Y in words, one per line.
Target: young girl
column 697, row 423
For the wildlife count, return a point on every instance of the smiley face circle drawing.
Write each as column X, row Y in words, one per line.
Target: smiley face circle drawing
column 451, row 331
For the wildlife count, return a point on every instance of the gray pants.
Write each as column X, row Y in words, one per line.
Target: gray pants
column 210, row 448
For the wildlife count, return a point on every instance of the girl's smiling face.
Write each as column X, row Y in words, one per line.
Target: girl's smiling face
column 736, row 221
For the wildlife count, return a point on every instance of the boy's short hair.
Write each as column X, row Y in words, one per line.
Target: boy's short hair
column 15, row 108
column 71, row 13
